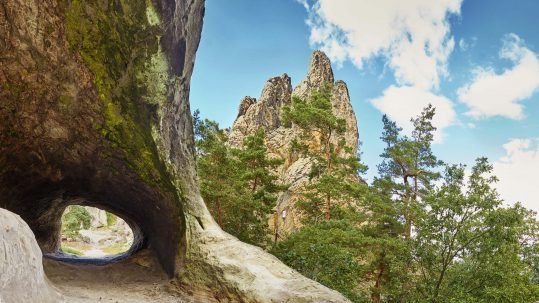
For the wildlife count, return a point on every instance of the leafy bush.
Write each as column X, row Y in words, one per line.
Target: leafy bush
column 75, row 218
column 326, row 252
column 111, row 219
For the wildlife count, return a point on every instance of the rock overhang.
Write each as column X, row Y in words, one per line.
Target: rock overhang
column 82, row 114
column 76, row 125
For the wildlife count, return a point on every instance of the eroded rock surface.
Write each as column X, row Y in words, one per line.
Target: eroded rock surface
column 95, row 111
column 21, row 270
column 266, row 113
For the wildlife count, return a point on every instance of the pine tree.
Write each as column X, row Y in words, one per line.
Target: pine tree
column 238, row 185
column 409, row 166
column 334, row 167
column 388, row 257
column 260, row 186
column 217, row 170
column 258, row 168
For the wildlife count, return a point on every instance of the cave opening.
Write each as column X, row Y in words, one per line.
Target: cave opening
column 92, row 235
column 91, row 232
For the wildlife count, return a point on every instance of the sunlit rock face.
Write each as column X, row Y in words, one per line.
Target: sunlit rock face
column 267, row 112
column 95, row 112
column 22, row 278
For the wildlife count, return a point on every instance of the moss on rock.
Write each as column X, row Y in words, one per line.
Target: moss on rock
column 119, row 42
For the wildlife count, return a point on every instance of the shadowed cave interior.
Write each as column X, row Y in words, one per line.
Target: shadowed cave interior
column 154, row 218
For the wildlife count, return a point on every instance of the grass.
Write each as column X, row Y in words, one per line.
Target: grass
column 70, row 250
column 117, row 248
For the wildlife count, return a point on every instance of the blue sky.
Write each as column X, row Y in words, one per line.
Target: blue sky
column 476, row 60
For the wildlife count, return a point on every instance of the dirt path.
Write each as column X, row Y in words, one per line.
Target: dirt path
column 138, row 279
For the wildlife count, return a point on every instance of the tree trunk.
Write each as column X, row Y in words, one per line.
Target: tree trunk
column 375, row 297
column 219, row 213
column 407, row 219
column 255, row 184
column 328, row 170
column 328, row 208
column 276, row 227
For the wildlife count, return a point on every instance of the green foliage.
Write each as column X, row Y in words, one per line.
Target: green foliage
column 327, row 252
column 74, row 219
column 470, row 248
column 111, row 219
column 70, row 250
column 334, row 167
column 465, row 246
column 237, row 184
column 422, row 232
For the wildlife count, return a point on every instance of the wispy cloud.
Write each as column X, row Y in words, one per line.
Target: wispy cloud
column 466, row 44
column 404, row 102
column 500, row 94
column 412, row 36
column 517, row 172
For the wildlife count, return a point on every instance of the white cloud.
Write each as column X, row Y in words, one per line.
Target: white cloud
column 500, row 94
column 466, row 44
column 517, row 171
column 304, row 3
column 404, row 102
column 463, row 45
column 412, row 35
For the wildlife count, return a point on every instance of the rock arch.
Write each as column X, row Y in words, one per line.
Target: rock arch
column 95, row 108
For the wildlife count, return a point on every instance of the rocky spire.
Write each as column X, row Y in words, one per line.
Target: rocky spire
column 245, row 103
column 319, row 73
column 320, row 69
column 267, row 113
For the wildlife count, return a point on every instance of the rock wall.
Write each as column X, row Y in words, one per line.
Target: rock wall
column 95, row 111
column 99, row 217
column 266, row 113
column 22, row 278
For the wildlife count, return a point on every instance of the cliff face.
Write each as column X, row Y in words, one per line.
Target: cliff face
column 22, row 278
column 93, row 95
column 266, row 113
column 94, row 111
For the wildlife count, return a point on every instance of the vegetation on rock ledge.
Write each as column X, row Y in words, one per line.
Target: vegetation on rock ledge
column 423, row 231
column 237, row 184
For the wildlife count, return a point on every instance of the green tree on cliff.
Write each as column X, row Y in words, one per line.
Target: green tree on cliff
column 237, row 184
column 260, row 187
column 217, row 169
column 334, row 166
column 328, row 248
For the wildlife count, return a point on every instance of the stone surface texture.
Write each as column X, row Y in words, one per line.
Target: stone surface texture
column 95, row 111
column 266, row 113
column 21, row 270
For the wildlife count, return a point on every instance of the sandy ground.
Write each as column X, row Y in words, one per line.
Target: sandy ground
column 100, row 242
column 137, row 279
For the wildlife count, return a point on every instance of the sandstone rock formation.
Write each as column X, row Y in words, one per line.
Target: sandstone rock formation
column 99, row 216
column 21, row 271
column 266, row 113
column 95, row 111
